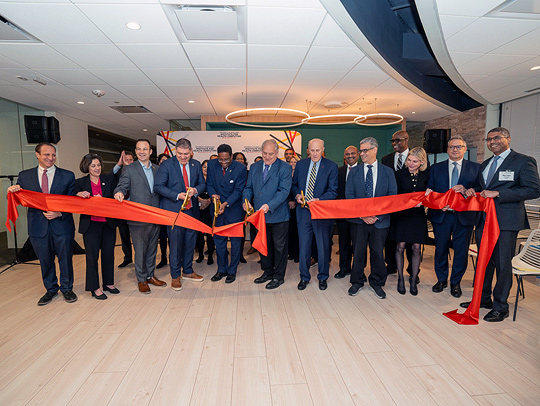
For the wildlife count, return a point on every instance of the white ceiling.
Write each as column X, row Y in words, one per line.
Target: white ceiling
column 294, row 56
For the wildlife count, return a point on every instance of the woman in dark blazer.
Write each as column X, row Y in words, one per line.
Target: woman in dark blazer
column 99, row 233
column 410, row 226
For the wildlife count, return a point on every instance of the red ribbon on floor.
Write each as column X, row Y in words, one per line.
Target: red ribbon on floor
column 353, row 208
column 126, row 210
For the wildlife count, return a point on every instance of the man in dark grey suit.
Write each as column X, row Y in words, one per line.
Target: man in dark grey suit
column 510, row 179
column 138, row 180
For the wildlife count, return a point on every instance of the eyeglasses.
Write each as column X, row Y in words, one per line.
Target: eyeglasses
column 224, row 161
column 365, row 151
column 496, row 138
column 397, row 140
column 456, row 147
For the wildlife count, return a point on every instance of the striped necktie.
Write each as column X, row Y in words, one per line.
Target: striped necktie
column 311, row 183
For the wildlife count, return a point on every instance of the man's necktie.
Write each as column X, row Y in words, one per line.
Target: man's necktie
column 369, row 182
column 455, row 175
column 265, row 171
column 492, row 169
column 45, row 182
column 348, row 171
column 186, row 184
column 399, row 161
column 311, row 183
column 224, row 171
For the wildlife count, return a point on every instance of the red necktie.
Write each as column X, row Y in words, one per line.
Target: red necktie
column 44, row 182
column 186, row 184
column 224, row 171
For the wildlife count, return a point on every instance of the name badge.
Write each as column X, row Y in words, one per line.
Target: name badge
column 506, row 176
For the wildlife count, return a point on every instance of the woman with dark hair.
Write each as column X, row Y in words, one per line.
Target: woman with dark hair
column 99, row 233
column 240, row 157
column 206, row 217
column 162, row 229
column 294, row 248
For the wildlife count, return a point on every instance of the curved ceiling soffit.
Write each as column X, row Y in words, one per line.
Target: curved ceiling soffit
column 429, row 15
column 338, row 12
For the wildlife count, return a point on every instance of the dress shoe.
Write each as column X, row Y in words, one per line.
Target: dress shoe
column 230, row 278
column 401, row 286
column 290, row 257
column 274, row 283
column 312, row 263
column 355, row 288
column 495, row 316
column 379, row 292
column 455, row 290
column 296, row 260
column 162, row 263
column 439, row 286
column 114, row 291
column 176, row 283
column 47, row 298
column 323, row 285
column 103, row 296
column 413, row 289
column 193, row 277
column 144, row 288
column 251, row 251
column 125, row 263
column 342, row 274
column 243, row 260
column 210, row 260
column 200, row 259
column 218, row 276
column 263, row 278
column 302, row 284
column 156, row 282
column 70, row 296
column 485, row 305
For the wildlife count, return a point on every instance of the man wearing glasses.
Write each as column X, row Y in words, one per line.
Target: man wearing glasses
column 510, row 179
column 459, row 175
column 370, row 179
column 225, row 183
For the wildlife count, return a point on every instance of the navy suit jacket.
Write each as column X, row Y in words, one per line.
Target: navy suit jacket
column 325, row 183
column 169, row 182
column 510, row 204
column 108, row 183
column 62, row 184
column 229, row 187
column 274, row 191
column 439, row 181
column 356, row 189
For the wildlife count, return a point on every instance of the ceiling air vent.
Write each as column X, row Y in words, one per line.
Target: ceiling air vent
column 131, row 109
column 9, row 32
column 208, row 23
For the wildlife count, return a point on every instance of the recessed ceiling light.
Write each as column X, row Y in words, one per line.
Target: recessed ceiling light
column 535, row 68
column 80, row 102
column 133, row 25
column 144, row 129
column 414, row 112
column 191, row 101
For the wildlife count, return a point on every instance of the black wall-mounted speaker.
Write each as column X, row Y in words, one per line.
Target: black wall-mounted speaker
column 436, row 140
column 41, row 129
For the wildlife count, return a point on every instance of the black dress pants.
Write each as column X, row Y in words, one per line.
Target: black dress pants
column 99, row 237
column 275, row 263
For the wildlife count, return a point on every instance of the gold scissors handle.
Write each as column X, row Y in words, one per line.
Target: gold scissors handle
column 249, row 210
column 217, row 204
column 304, row 203
column 186, row 200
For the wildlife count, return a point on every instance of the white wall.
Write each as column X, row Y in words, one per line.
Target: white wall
column 73, row 144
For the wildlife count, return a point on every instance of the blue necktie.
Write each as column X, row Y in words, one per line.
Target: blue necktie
column 265, row 171
column 455, row 175
column 369, row 182
column 492, row 169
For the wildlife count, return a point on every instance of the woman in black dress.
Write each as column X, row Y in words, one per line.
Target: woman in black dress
column 410, row 226
column 240, row 157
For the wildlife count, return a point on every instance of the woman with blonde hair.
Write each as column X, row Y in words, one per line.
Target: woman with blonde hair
column 410, row 226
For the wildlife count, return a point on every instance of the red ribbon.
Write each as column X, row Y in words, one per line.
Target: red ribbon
column 126, row 210
column 354, row 208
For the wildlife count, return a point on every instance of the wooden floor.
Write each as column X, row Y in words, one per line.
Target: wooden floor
column 240, row 344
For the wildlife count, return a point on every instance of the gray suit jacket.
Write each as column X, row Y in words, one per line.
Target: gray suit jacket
column 134, row 181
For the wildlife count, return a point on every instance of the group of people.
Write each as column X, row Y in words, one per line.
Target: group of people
column 283, row 190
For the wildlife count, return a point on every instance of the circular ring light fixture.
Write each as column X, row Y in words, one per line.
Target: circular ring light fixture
column 397, row 118
column 276, row 110
column 335, row 119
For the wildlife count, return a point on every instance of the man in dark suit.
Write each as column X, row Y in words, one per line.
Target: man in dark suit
column 225, row 182
column 269, row 184
column 137, row 179
column 51, row 233
column 450, row 226
column 317, row 178
column 350, row 157
column 510, row 179
column 370, row 179
column 174, row 179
